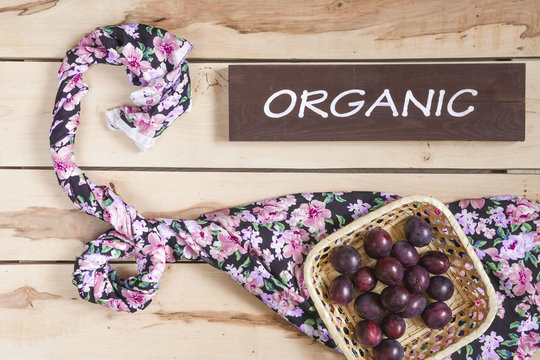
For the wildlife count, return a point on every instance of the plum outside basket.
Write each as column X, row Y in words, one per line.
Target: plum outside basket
column 473, row 304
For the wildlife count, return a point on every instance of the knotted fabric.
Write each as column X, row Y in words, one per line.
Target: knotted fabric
column 263, row 245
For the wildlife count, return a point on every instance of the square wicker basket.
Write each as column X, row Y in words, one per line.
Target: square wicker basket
column 473, row 304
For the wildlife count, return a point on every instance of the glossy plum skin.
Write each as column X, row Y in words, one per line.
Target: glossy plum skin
column 416, row 279
column 437, row 315
column 346, row 260
column 365, row 279
column 368, row 333
column 417, row 304
column 388, row 349
column 440, row 288
column 393, row 326
column 405, row 253
column 368, row 306
column 378, row 243
column 435, row 262
column 341, row 290
column 395, row 298
column 389, row 270
column 417, row 231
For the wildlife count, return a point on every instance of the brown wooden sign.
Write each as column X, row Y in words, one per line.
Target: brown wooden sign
column 377, row 102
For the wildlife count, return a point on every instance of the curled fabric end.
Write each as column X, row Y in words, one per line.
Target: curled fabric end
column 154, row 59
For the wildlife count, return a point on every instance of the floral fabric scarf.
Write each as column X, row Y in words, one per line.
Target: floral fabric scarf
column 263, row 245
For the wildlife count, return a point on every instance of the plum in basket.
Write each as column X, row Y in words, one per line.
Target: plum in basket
column 405, row 253
column 388, row 349
column 368, row 333
column 395, row 298
column 365, row 279
column 417, row 231
column 440, row 288
column 435, row 262
column 368, row 306
column 378, row 243
column 389, row 270
column 437, row 315
column 345, row 259
column 341, row 290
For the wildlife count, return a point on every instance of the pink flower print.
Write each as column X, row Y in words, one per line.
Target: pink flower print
column 522, row 308
column 515, row 247
column 228, row 245
column 116, row 215
column 72, row 123
column 72, row 100
column 294, row 245
column 287, row 201
column 314, row 214
column 228, row 222
column 299, row 275
column 358, row 209
column 64, row 164
column 135, row 299
column 500, row 300
column 165, row 48
column 489, row 233
column 531, row 323
column 155, row 243
column 475, row 203
column 190, row 251
column 521, row 277
column 523, row 212
column 498, row 216
column 86, row 47
column 285, row 302
column 252, row 237
column 527, row 346
column 99, row 285
column 148, row 125
column 75, row 82
column 267, row 256
column 202, row 236
column 254, row 284
column 467, row 221
column 117, row 305
column 490, row 343
column 534, row 299
column 91, row 261
column 271, row 212
column 132, row 59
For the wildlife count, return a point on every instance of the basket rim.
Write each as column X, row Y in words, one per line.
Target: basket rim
column 337, row 337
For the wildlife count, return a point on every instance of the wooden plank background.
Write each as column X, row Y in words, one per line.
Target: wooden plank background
column 199, row 311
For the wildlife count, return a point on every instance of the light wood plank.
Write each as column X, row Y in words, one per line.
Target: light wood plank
column 38, row 222
column 200, row 138
column 322, row 29
column 199, row 312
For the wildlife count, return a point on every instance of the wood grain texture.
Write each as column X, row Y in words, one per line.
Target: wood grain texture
column 199, row 311
column 321, row 29
column 200, row 138
column 479, row 102
column 38, row 221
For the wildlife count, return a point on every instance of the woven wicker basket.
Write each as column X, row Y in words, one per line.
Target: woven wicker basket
column 473, row 304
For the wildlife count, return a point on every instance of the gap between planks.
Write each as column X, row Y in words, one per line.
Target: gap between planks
column 312, row 61
column 287, row 170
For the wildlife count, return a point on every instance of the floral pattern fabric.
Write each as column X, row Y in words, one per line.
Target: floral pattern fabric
column 263, row 245
column 153, row 58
